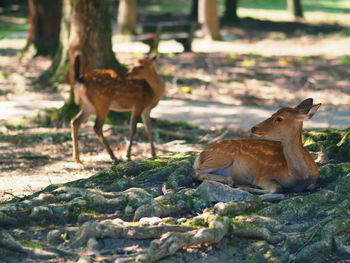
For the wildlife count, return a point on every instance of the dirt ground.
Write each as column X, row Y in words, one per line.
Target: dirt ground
column 250, row 75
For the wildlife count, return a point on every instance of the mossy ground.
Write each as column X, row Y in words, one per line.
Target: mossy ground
column 305, row 227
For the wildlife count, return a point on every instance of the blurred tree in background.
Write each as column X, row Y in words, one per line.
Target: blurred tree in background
column 208, row 16
column 44, row 26
column 194, row 10
column 91, row 36
column 295, row 8
column 230, row 13
column 58, row 71
column 127, row 16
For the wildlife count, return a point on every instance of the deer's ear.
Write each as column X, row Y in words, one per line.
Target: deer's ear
column 305, row 104
column 305, row 114
column 151, row 56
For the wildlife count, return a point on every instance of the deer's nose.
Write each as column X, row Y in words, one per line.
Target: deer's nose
column 253, row 129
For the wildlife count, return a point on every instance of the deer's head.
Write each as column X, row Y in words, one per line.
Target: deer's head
column 143, row 67
column 286, row 122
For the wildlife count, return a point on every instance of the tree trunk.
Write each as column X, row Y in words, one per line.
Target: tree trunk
column 127, row 14
column 230, row 14
column 295, row 8
column 194, row 10
column 91, row 37
column 44, row 26
column 58, row 71
column 86, row 29
column 208, row 16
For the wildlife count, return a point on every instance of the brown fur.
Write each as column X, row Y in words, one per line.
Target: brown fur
column 274, row 166
column 101, row 90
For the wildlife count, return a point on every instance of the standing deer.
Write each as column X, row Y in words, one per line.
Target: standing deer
column 278, row 165
column 101, row 90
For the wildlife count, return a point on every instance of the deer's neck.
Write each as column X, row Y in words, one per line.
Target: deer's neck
column 297, row 157
column 156, row 83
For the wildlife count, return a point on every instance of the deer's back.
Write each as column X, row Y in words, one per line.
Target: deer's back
column 104, row 86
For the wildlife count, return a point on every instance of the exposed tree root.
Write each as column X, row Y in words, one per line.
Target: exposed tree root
column 7, row 241
column 119, row 229
column 171, row 242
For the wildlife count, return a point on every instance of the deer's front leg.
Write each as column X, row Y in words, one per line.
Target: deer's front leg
column 201, row 176
column 146, row 119
column 75, row 124
column 133, row 126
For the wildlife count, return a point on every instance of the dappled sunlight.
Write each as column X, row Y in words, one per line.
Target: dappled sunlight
column 267, row 47
column 217, row 115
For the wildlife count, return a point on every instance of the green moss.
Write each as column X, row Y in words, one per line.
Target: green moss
column 331, row 172
column 6, row 254
column 57, row 117
column 77, row 208
column 30, row 244
column 335, row 142
column 195, row 222
column 177, row 125
column 117, row 118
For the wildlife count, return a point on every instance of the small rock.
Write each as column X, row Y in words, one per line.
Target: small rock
column 76, row 202
column 92, row 244
column 121, row 185
column 117, row 203
column 84, row 217
column 170, row 220
column 271, row 197
column 65, row 197
column 137, row 196
column 47, row 198
column 129, row 210
column 54, row 237
column 97, row 200
column 322, row 157
column 41, row 212
column 84, row 259
column 217, row 192
column 147, row 221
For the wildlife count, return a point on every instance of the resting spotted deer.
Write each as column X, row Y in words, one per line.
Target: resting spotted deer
column 102, row 90
column 278, row 165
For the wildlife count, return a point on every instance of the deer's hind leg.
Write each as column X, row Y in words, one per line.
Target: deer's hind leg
column 75, row 125
column 146, row 119
column 135, row 113
column 219, row 170
column 101, row 114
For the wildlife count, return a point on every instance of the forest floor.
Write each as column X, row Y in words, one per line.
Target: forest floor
column 224, row 87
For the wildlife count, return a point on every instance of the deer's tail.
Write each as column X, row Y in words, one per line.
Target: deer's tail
column 78, row 78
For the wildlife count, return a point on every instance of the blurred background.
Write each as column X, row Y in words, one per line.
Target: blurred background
column 227, row 64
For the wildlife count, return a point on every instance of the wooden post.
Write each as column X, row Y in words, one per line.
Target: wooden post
column 208, row 17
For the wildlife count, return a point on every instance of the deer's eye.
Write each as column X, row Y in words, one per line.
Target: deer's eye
column 279, row 119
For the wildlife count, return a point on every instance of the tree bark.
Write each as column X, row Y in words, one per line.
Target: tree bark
column 91, row 37
column 86, row 29
column 194, row 10
column 44, row 26
column 127, row 15
column 230, row 14
column 58, row 71
column 295, row 8
column 208, row 16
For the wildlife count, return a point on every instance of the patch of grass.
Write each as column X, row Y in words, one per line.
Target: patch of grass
column 173, row 125
column 344, row 60
column 8, row 29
